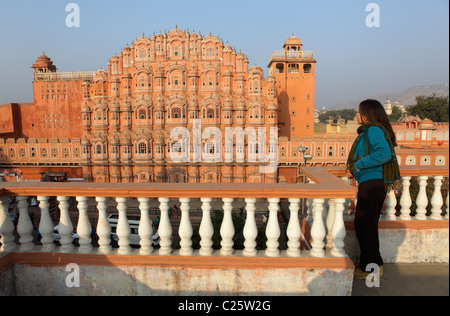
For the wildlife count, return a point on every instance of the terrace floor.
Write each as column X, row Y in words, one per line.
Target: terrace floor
column 425, row 279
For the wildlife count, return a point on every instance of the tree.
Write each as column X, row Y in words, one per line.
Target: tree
column 346, row 114
column 396, row 114
column 433, row 107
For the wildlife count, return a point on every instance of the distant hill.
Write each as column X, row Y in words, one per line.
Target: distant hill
column 405, row 97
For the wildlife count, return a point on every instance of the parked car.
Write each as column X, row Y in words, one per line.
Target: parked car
column 133, row 222
column 57, row 236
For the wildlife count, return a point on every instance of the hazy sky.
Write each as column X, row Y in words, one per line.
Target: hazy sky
column 410, row 47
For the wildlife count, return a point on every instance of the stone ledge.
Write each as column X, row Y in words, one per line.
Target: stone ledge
column 45, row 274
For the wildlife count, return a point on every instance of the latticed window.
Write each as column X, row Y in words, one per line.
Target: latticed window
column 210, row 113
column 176, row 112
column 142, row 114
column 142, row 148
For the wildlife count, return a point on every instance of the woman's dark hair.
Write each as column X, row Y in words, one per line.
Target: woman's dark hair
column 374, row 111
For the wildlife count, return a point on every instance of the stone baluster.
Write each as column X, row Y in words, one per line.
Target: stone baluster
column 206, row 230
column 65, row 226
column 309, row 207
column 145, row 227
column 390, row 203
column 273, row 229
column 318, row 229
column 227, row 228
column 422, row 199
column 46, row 225
column 405, row 200
column 293, row 231
column 185, row 230
column 436, row 199
column 123, row 227
column 447, row 209
column 347, row 201
column 6, row 227
column 329, row 223
column 338, row 230
column 250, row 229
column 165, row 228
column 103, row 227
column 84, row 228
column 24, row 226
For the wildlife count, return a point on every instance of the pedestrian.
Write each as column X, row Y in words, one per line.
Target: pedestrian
column 372, row 162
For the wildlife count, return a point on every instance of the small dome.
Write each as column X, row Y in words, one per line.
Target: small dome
column 293, row 40
column 427, row 124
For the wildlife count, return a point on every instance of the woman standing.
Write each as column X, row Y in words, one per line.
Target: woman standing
column 373, row 163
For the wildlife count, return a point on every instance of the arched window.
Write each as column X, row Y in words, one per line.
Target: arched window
column 142, row 148
column 410, row 161
column 142, row 80
column 142, row 114
column 210, row 51
column 176, row 112
column 440, row 161
column 210, row 113
column 142, row 53
column 425, row 161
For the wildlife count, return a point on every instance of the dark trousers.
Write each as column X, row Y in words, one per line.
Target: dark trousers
column 371, row 195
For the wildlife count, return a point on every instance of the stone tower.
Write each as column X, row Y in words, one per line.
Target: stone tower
column 294, row 71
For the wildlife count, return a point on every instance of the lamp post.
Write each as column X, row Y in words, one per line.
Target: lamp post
column 306, row 156
column 302, row 149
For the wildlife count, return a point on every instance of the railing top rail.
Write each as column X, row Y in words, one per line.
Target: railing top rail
column 405, row 171
column 327, row 186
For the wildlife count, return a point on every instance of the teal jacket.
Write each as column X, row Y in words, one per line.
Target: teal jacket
column 371, row 166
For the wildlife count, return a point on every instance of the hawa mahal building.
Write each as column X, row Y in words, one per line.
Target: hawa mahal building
column 114, row 125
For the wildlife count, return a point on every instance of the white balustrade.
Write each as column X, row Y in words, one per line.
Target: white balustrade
column 318, row 229
column 422, row 200
column 84, row 228
column 329, row 229
column 165, row 228
column 227, row 228
column 405, row 200
column 206, row 230
column 185, row 230
column 65, row 226
column 293, row 231
column 123, row 227
column 390, row 204
column 273, row 228
column 103, row 227
column 338, row 229
column 250, row 228
column 6, row 227
column 46, row 225
column 436, row 199
column 145, row 229
column 24, row 226
column 329, row 223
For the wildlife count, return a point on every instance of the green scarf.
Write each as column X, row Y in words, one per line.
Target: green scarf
column 391, row 170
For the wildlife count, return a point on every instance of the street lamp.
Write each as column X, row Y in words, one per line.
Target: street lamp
column 303, row 149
